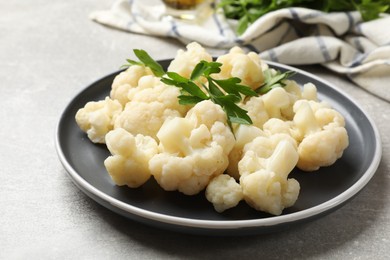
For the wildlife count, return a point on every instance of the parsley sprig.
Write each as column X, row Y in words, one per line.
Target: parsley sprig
column 273, row 79
column 248, row 11
column 145, row 60
column 224, row 92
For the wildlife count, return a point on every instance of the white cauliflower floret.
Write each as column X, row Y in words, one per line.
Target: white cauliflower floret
column 247, row 67
column 97, row 118
column 151, row 89
column 191, row 152
column 185, row 61
column 224, row 192
column 129, row 163
column 263, row 147
column 264, row 179
column 244, row 134
column 126, row 80
column 206, row 113
column 144, row 118
column 276, row 101
column 323, row 137
column 256, row 111
column 278, row 126
column 309, row 92
column 151, row 103
column 279, row 102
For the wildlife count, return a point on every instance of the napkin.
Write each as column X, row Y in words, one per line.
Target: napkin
column 340, row 41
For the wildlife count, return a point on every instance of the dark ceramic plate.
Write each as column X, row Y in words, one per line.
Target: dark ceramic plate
column 321, row 192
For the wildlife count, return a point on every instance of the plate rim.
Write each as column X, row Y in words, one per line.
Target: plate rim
column 301, row 215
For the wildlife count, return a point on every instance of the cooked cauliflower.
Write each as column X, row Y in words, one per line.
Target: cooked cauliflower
column 97, row 118
column 247, row 67
column 126, row 80
column 279, row 126
column 256, row 111
column 192, row 150
column 185, row 61
column 264, row 171
column 151, row 103
column 144, row 118
column 129, row 163
column 244, row 134
column 309, row 92
column 324, row 137
column 276, row 101
column 224, row 192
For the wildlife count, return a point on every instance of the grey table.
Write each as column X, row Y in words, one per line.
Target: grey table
column 49, row 51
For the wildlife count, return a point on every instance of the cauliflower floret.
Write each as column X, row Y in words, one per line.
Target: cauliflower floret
column 263, row 147
column 126, row 80
column 276, row 101
column 293, row 89
column 244, row 134
column 278, row 126
column 151, row 89
column 264, row 179
column 322, row 133
column 309, row 92
column 191, row 153
column 97, row 118
column 151, row 103
column 129, row 163
column 185, row 61
column 207, row 113
column 256, row 111
column 144, row 118
column 224, row 192
column 247, row 67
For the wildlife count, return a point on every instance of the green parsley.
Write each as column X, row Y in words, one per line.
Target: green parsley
column 147, row 61
column 273, row 79
column 226, row 92
column 248, row 11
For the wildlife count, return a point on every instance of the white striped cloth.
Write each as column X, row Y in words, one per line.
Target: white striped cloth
column 296, row 36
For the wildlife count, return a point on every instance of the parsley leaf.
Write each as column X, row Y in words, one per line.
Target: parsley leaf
column 248, row 11
column 147, row 61
column 273, row 79
column 225, row 93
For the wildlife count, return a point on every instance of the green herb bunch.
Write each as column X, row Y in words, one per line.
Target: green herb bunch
column 248, row 11
column 224, row 92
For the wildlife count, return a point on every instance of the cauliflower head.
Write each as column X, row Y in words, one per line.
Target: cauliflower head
column 126, row 80
column 97, row 118
column 247, row 67
column 192, row 151
column 129, row 163
column 264, row 170
column 322, row 135
column 224, row 192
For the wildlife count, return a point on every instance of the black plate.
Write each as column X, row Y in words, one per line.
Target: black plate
column 321, row 192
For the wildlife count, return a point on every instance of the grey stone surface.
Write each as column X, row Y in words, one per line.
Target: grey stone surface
column 49, row 51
